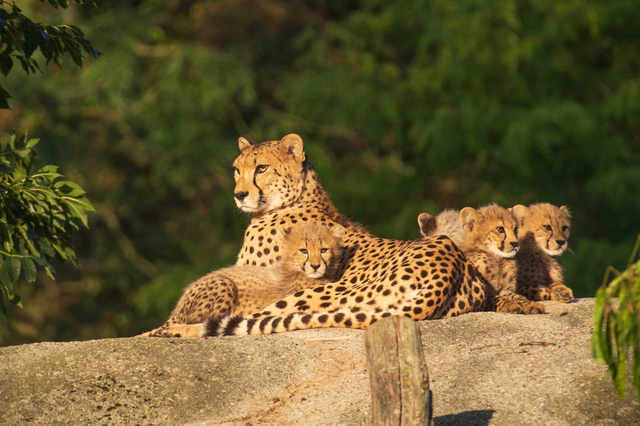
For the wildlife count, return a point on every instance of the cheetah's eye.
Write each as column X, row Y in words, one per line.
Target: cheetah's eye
column 323, row 250
column 500, row 229
column 565, row 228
column 547, row 227
column 304, row 251
column 236, row 171
column 262, row 169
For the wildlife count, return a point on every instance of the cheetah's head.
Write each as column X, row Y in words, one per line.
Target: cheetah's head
column 312, row 249
column 268, row 175
column 446, row 223
column 492, row 229
column 549, row 226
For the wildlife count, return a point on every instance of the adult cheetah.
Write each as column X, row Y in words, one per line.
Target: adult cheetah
column 310, row 256
column 421, row 279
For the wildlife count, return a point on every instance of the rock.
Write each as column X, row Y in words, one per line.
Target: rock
column 485, row 368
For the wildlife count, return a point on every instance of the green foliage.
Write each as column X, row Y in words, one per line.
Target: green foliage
column 20, row 37
column 617, row 331
column 38, row 214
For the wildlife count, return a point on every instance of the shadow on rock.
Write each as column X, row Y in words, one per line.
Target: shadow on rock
column 466, row 418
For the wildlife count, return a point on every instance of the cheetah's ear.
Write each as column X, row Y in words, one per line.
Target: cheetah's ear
column 427, row 224
column 469, row 216
column 520, row 213
column 294, row 146
column 565, row 210
column 243, row 144
column 338, row 232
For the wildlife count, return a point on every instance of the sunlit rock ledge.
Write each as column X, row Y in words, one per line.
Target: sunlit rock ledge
column 485, row 369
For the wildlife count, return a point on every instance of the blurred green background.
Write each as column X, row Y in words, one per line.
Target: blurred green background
column 404, row 107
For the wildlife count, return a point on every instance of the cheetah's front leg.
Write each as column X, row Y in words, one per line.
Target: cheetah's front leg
column 212, row 295
column 534, row 292
column 560, row 293
column 512, row 303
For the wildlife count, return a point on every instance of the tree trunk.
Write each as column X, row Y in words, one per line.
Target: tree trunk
column 397, row 373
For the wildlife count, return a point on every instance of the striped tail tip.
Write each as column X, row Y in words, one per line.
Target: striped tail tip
column 220, row 326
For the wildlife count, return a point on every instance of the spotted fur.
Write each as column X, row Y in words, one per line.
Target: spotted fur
column 544, row 236
column 490, row 241
column 310, row 256
column 446, row 223
column 421, row 279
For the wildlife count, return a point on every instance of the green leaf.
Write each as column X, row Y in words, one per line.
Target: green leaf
column 48, row 270
column 32, row 248
column 77, row 208
column 46, row 248
column 32, row 142
column 4, row 95
column 7, row 240
column 30, row 43
column 29, row 269
column 13, row 298
column 6, row 63
column 85, row 203
column 16, row 37
column 69, row 189
column 13, row 268
column 49, row 169
column 59, row 251
column 4, row 274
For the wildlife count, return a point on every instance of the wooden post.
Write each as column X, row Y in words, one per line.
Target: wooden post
column 397, row 373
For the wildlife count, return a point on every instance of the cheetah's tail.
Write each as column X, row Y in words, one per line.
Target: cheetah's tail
column 344, row 318
column 221, row 326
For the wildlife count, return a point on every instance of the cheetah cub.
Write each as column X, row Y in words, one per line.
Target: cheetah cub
column 487, row 237
column 544, row 231
column 446, row 223
column 310, row 256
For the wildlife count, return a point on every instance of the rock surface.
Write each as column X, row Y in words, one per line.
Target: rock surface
column 485, row 369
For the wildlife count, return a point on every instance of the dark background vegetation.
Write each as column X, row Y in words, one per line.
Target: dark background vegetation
column 404, row 107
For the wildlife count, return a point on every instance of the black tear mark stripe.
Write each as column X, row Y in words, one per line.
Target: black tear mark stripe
column 261, row 199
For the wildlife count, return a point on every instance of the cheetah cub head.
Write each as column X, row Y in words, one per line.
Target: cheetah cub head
column 312, row 249
column 491, row 229
column 546, row 225
column 446, row 223
column 268, row 175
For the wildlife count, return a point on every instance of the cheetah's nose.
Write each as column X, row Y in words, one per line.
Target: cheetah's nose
column 514, row 244
column 561, row 242
column 314, row 267
column 241, row 195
